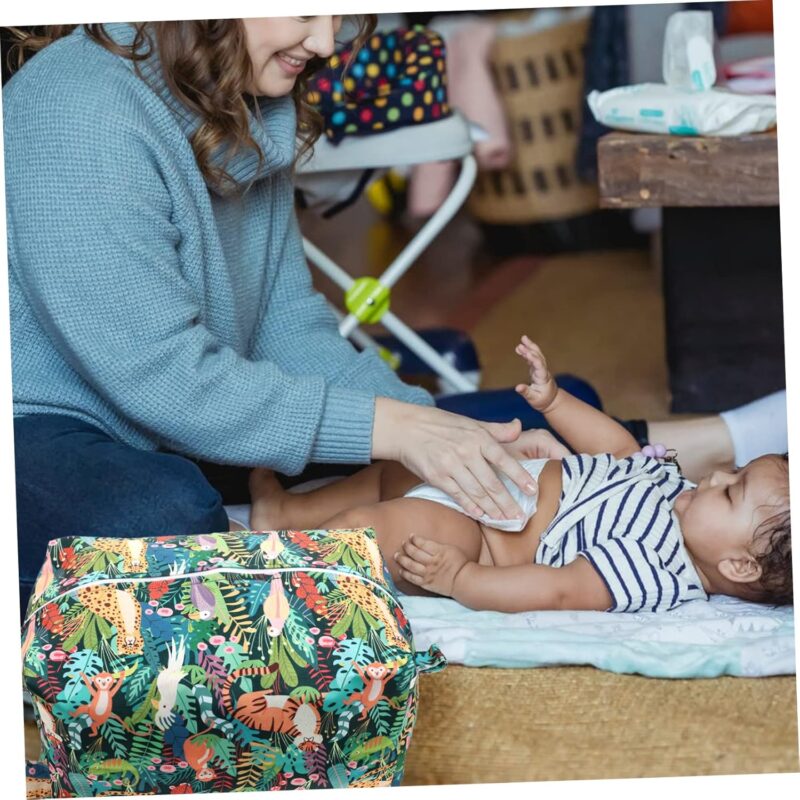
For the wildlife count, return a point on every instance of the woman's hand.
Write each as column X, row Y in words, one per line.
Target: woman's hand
column 430, row 565
column 537, row 443
column 543, row 389
column 456, row 454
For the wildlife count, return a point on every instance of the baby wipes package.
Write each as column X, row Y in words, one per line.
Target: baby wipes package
column 656, row 108
column 685, row 104
column 688, row 61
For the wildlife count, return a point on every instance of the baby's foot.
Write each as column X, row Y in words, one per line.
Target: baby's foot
column 267, row 500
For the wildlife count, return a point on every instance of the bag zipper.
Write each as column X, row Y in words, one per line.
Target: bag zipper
column 214, row 571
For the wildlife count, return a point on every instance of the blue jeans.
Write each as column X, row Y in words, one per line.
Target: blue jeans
column 74, row 480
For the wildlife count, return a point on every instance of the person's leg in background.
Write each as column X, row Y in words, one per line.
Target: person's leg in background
column 732, row 438
column 758, row 428
column 234, row 485
column 703, row 444
column 72, row 479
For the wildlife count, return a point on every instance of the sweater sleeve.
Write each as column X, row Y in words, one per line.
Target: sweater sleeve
column 298, row 327
column 96, row 252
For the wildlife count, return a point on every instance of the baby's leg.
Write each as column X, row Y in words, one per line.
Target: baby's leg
column 395, row 520
column 273, row 508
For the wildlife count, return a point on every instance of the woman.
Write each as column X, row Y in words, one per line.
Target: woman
column 161, row 307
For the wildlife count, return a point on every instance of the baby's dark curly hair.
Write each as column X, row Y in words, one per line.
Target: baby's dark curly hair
column 774, row 539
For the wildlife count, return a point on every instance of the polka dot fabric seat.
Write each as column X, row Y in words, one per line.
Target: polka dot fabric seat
column 398, row 78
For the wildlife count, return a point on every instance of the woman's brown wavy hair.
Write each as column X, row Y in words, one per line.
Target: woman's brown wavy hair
column 206, row 66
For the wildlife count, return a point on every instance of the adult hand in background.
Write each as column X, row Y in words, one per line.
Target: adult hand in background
column 537, row 443
column 456, row 454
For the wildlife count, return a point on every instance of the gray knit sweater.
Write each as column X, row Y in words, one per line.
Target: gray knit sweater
column 147, row 304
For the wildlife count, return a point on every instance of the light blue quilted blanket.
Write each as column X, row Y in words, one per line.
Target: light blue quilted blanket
column 700, row 639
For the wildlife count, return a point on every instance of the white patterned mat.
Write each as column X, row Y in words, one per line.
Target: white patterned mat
column 723, row 636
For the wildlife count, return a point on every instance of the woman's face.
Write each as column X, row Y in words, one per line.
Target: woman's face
column 280, row 47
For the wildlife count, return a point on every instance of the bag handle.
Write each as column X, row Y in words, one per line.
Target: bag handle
column 430, row 660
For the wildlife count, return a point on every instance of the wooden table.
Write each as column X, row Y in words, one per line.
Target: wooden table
column 720, row 253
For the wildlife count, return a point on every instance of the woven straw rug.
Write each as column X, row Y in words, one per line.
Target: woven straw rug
column 566, row 723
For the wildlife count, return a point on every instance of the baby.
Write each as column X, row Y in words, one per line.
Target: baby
column 620, row 531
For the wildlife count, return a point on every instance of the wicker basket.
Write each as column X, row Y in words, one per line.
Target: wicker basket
column 540, row 81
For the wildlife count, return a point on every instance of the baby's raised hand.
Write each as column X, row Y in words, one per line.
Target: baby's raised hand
column 430, row 565
column 542, row 389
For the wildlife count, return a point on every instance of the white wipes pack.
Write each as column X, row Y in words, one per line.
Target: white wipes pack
column 686, row 104
column 656, row 108
column 526, row 502
column 688, row 60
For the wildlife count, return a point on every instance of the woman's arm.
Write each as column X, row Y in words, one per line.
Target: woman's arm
column 585, row 429
column 528, row 587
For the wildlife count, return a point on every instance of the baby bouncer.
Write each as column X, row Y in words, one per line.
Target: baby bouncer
column 367, row 299
column 389, row 109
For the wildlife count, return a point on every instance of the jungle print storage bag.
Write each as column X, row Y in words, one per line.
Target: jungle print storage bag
column 220, row 662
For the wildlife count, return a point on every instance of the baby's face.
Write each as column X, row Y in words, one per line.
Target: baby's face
column 719, row 517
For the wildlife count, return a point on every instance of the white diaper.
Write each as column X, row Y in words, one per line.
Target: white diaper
column 526, row 502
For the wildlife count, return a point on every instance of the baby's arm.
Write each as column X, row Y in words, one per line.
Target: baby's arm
column 585, row 429
column 446, row 570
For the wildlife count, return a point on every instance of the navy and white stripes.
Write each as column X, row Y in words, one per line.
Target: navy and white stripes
column 617, row 513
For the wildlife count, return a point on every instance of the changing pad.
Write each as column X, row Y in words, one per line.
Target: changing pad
column 700, row 639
